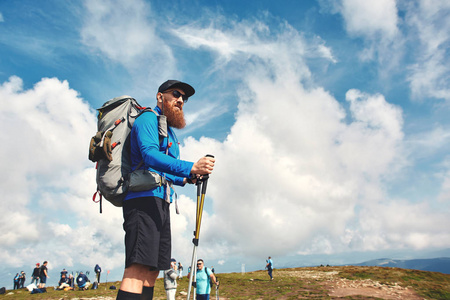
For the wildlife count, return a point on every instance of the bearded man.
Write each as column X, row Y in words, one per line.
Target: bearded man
column 146, row 213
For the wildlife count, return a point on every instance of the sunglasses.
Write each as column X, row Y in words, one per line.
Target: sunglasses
column 177, row 95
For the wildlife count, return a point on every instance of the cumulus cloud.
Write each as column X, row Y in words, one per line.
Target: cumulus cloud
column 370, row 18
column 298, row 168
column 403, row 224
column 47, row 181
column 124, row 33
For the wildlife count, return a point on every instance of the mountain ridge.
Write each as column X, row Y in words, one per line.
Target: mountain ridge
column 440, row 264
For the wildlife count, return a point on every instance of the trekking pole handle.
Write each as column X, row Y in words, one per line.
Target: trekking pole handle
column 206, row 176
column 200, row 178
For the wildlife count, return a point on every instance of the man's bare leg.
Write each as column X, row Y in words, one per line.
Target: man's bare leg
column 136, row 276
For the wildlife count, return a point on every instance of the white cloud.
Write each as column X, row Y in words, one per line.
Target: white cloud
column 403, row 224
column 297, row 174
column 377, row 23
column 47, row 181
column 245, row 41
column 429, row 75
column 1, row 18
column 375, row 18
column 420, row 38
column 124, row 33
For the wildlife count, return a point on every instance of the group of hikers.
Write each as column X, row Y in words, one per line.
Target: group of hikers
column 205, row 278
column 66, row 282
column 38, row 276
column 19, row 280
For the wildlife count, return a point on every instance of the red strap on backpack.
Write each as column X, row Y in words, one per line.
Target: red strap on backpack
column 99, row 199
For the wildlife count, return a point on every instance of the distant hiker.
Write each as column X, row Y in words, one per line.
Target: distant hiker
column 212, row 269
column 146, row 212
column 43, row 275
column 22, row 278
column 70, row 281
column 83, row 281
column 35, row 275
column 269, row 267
column 180, row 270
column 204, row 278
column 64, row 272
column 63, row 282
column 16, row 281
column 98, row 272
column 170, row 280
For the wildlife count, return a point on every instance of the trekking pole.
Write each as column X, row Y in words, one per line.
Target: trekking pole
column 106, row 284
column 201, row 191
column 217, row 289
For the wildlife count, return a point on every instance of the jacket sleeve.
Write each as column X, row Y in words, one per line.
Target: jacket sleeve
column 172, row 274
column 146, row 133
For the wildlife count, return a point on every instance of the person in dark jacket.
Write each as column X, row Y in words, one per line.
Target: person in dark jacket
column 16, row 281
column 35, row 275
column 63, row 282
column 98, row 272
column 43, row 275
column 83, row 281
column 22, row 278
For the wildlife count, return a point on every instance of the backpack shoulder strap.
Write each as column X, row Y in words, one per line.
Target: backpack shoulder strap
column 162, row 123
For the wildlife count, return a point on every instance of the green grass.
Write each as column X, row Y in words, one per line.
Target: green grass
column 287, row 284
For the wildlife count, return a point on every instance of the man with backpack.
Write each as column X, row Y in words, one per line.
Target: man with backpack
column 43, row 275
column 204, row 278
column 98, row 272
column 269, row 267
column 146, row 213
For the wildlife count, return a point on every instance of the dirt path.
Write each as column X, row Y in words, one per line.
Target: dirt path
column 339, row 287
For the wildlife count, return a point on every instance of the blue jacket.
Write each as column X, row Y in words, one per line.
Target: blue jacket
column 144, row 139
column 81, row 280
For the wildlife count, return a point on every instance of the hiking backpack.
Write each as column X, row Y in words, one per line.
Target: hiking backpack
column 110, row 147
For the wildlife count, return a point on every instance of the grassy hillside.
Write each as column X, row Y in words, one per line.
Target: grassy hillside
column 298, row 283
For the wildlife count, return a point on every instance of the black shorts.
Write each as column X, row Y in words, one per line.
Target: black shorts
column 147, row 232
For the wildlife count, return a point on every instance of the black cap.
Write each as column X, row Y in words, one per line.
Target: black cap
column 186, row 88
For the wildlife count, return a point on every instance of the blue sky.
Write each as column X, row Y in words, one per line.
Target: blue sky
column 328, row 119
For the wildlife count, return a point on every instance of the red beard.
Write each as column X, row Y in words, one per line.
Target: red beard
column 175, row 117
